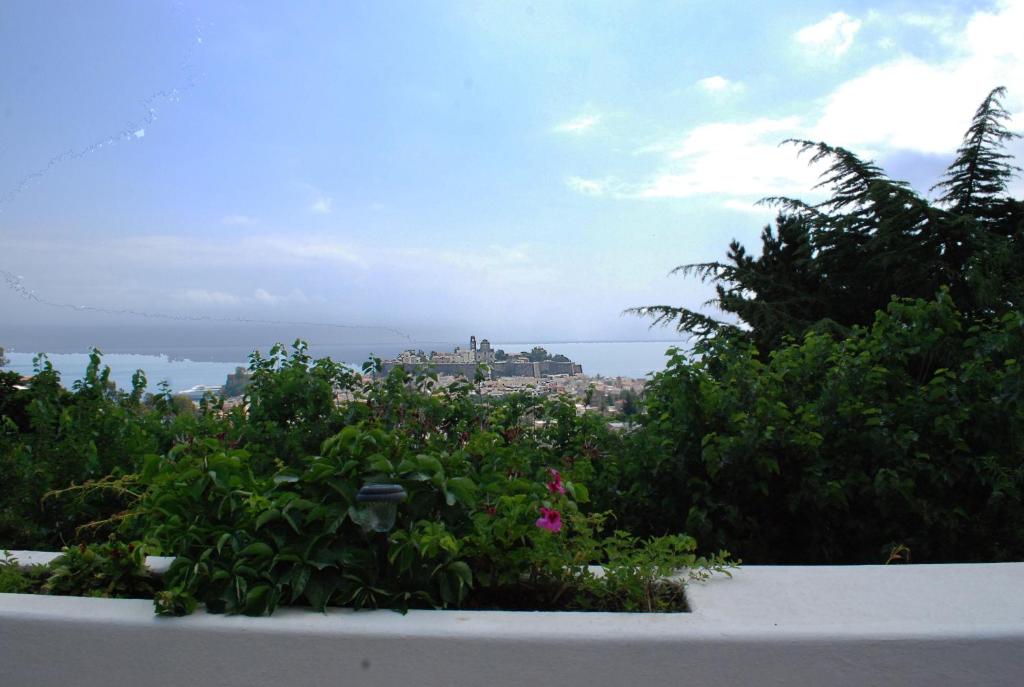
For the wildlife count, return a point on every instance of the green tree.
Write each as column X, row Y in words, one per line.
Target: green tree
column 834, row 264
column 537, row 354
column 630, row 402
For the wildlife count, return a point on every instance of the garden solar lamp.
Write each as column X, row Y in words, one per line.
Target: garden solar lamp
column 376, row 506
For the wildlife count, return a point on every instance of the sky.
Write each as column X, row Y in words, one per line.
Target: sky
column 429, row 170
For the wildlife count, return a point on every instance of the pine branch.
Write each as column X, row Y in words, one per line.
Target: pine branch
column 849, row 177
column 981, row 170
column 686, row 320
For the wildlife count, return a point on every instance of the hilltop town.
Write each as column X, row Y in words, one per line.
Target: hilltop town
column 535, row 372
column 537, row 363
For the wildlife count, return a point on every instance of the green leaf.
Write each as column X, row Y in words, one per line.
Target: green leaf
column 256, row 550
column 446, row 588
column 299, row 580
column 379, row 463
column 267, row 516
column 224, row 538
column 320, row 587
column 431, row 464
column 463, row 488
column 461, row 569
column 257, row 600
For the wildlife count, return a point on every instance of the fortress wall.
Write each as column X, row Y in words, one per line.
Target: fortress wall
column 551, row 367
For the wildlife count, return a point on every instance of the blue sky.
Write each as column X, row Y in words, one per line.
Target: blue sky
column 517, row 170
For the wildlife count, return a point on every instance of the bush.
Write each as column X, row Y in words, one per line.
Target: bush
column 63, row 451
column 112, row 569
column 908, row 432
column 488, row 521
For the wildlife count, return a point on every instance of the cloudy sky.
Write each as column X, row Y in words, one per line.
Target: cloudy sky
column 515, row 170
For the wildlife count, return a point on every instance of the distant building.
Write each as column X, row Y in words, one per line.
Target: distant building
column 465, row 362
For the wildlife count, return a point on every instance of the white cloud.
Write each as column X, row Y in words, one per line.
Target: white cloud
column 321, row 250
column 941, row 25
column 718, row 84
column 904, row 104
column 322, row 206
column 926, row 107
column 749, row 207
column 832, row 35
column 590, row 187
column 739, row 160
column 236, row 220
column 578, row 125
column 265, row 297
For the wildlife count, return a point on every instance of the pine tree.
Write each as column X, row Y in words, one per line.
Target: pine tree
column 977, row 178
column 834, row 264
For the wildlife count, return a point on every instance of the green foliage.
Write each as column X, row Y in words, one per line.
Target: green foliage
column 910, row 431
column 64, row 452
column 292, row 406
column 51, row 438
column 645, row 575
column 479, row 480
column 112, row 569
column 17, row 580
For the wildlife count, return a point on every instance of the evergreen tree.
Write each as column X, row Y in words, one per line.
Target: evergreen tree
column 834, row 264
column 976, row 181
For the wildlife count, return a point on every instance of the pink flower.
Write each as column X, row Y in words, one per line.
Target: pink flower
column 550, row 520
column 555, row 486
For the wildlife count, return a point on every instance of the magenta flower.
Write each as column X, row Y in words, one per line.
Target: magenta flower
column 555, row 486
column 550, row 520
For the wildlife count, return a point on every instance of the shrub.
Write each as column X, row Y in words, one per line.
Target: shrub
column 16, row 580
column 112, row 569
column 487, row 521
column 908, row 432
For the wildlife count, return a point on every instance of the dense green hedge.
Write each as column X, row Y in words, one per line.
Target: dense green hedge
column 908, row 432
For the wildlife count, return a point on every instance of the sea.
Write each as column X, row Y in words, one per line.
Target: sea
column 189, row 366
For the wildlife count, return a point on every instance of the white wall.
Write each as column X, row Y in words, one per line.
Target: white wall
column 860, row 625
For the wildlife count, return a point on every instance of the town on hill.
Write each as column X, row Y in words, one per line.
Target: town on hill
column 495, row 363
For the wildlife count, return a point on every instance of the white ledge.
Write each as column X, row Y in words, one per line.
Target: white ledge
column 833, row 625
